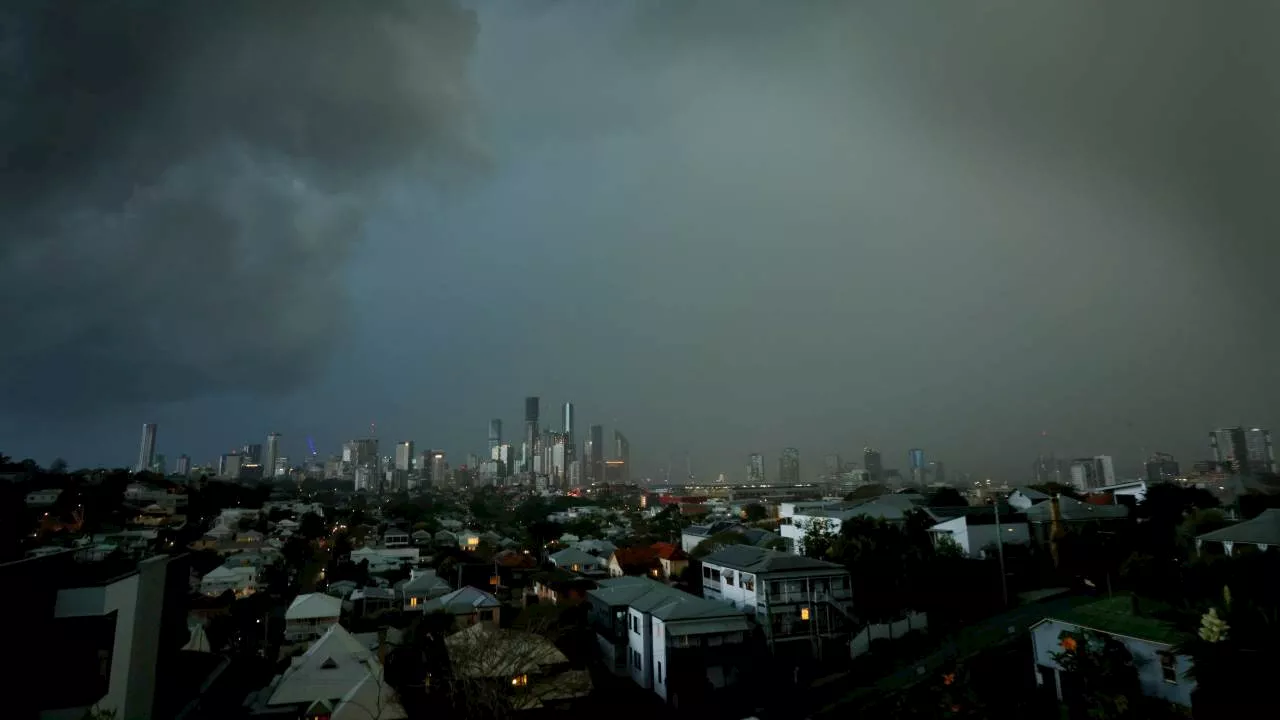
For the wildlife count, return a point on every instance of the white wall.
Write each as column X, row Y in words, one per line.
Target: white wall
column 861, row 642
column 1045, row 642
column 121, row 597
column 735, row 594
column 639, row 639
column 658, row 641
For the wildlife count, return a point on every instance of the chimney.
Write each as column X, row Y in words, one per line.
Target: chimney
column 382, row 646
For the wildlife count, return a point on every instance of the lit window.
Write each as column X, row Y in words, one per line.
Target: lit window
column 520, row 681
column 804, row 613
column 413, row 602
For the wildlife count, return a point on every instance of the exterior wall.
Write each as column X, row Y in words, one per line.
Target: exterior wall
column 982, row 536
column 861, row 642
column 1044, row 641
column 640, row 639
column 661, row 664
column 735, row 593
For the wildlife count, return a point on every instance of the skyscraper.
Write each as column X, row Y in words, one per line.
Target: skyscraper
column 182, row 466
column 915, row 456
column 495, row 434
column 832, row 465
column 404, row 455
column 438, row 469
column 570, row 437
column 530, row 431
column 755, row 468
column 273, row 454
column 1230, row 451
column 597, row 453
column 873, row 464
column 147, row 452
column 1161, row 467
column 1262, row 455
column 623, row 452
column 252, row 453
column 937, row 472
column 789, row 466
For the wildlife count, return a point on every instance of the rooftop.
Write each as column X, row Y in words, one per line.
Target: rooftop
column 748, row 558
column 1073, row 509
column 1262, row 530
column 462, row 601
column 663, row 602
column 1116, row 616
column 312, row 606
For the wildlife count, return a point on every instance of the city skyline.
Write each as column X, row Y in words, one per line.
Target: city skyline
column 914, row 242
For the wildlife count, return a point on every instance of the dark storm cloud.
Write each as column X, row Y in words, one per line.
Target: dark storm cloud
column 183, row 182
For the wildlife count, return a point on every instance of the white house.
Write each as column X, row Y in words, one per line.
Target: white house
column 798, row 518
column 575, row 560
column 422, row 585
column 43, row 498
column 1161, row 672
column 337, row 677
column 310, row 616
column 243, row 581
column 1262, row 532
column 975, row 529
column 790, row 596
column 395, row 538
column 660, row 636
column 467, row 605
column 468, row 540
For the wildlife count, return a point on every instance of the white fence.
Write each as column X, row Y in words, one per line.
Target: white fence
column 861, row 642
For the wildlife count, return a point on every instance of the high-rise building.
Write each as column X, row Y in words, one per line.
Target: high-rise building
column 230, row 465
column 1161, row 467
column 182, row 466
column 789, row 466
column 915, row 458
column 404, row 455
column 1049, row 469
column 158, row 465
column 755, row 468
column 362, row 452
column 1230, row 451
column 622, row 452
column 439, row 470
column 937, row 472
column 495, row 434
column 1262, row 455
column 1092, row 473
column 281, row 467
column 597, row 453
column 273, row 454
column 252, row 453
column 832, row 465
column 530, row 431
column 147, row 452
column 568, row 422
column 873, row 464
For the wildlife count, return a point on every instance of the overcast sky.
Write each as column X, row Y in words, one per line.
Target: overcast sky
column 723, row 226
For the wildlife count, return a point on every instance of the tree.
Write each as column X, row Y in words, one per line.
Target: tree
column 58, row 467
column 1105, row 672
column 818, row 539
column 312, row 527
column 754, row 512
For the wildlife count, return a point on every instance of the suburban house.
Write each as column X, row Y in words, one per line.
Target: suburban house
column 43, row 498
column 394, row 538
column 1024, row 497
column 1262, row 532
column 975, row 529
column 422, row 585
column 665, row 639
column 382, row 559
column 599, row 548
column 421, row 538
column 336, row 678
column 1161, row 672
column 575, row 560
column 310, row 616
column 467, row 605
column 691, row 536
column 671, row 559
column 640, row 560
column 444, row 538
column 1073, row 513
column 557, row 586
column 798, row 518
column 468, row 540
column 243, row 581
column 528, row 666
column 373, row 599
column 793, row 598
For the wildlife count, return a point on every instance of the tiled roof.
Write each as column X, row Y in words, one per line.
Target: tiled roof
column 748, row 558
column 669, row 551
column 635, row 558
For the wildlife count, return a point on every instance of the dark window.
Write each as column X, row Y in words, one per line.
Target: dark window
column 728, row 577
column 775, row 589
column 748, row 583
column 706, row 571
column 844, row 582
column 635, row 658
column 659, row 671
column 1169, row 667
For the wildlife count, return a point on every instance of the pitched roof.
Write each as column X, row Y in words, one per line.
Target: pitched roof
column 222, row 572
column 1073, row 509
column 333, row 666
column 633, row 559
column 663, row 602
column 462, row 601
column 313, row 605
column 748, row 558
column 669, row 551
column 371, row 697
column 977, row 515
column 574, row 556
column 427, row 582
column 1031, row 494
column 1262, row 530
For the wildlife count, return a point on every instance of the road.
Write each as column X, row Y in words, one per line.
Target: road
column 969, row 640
